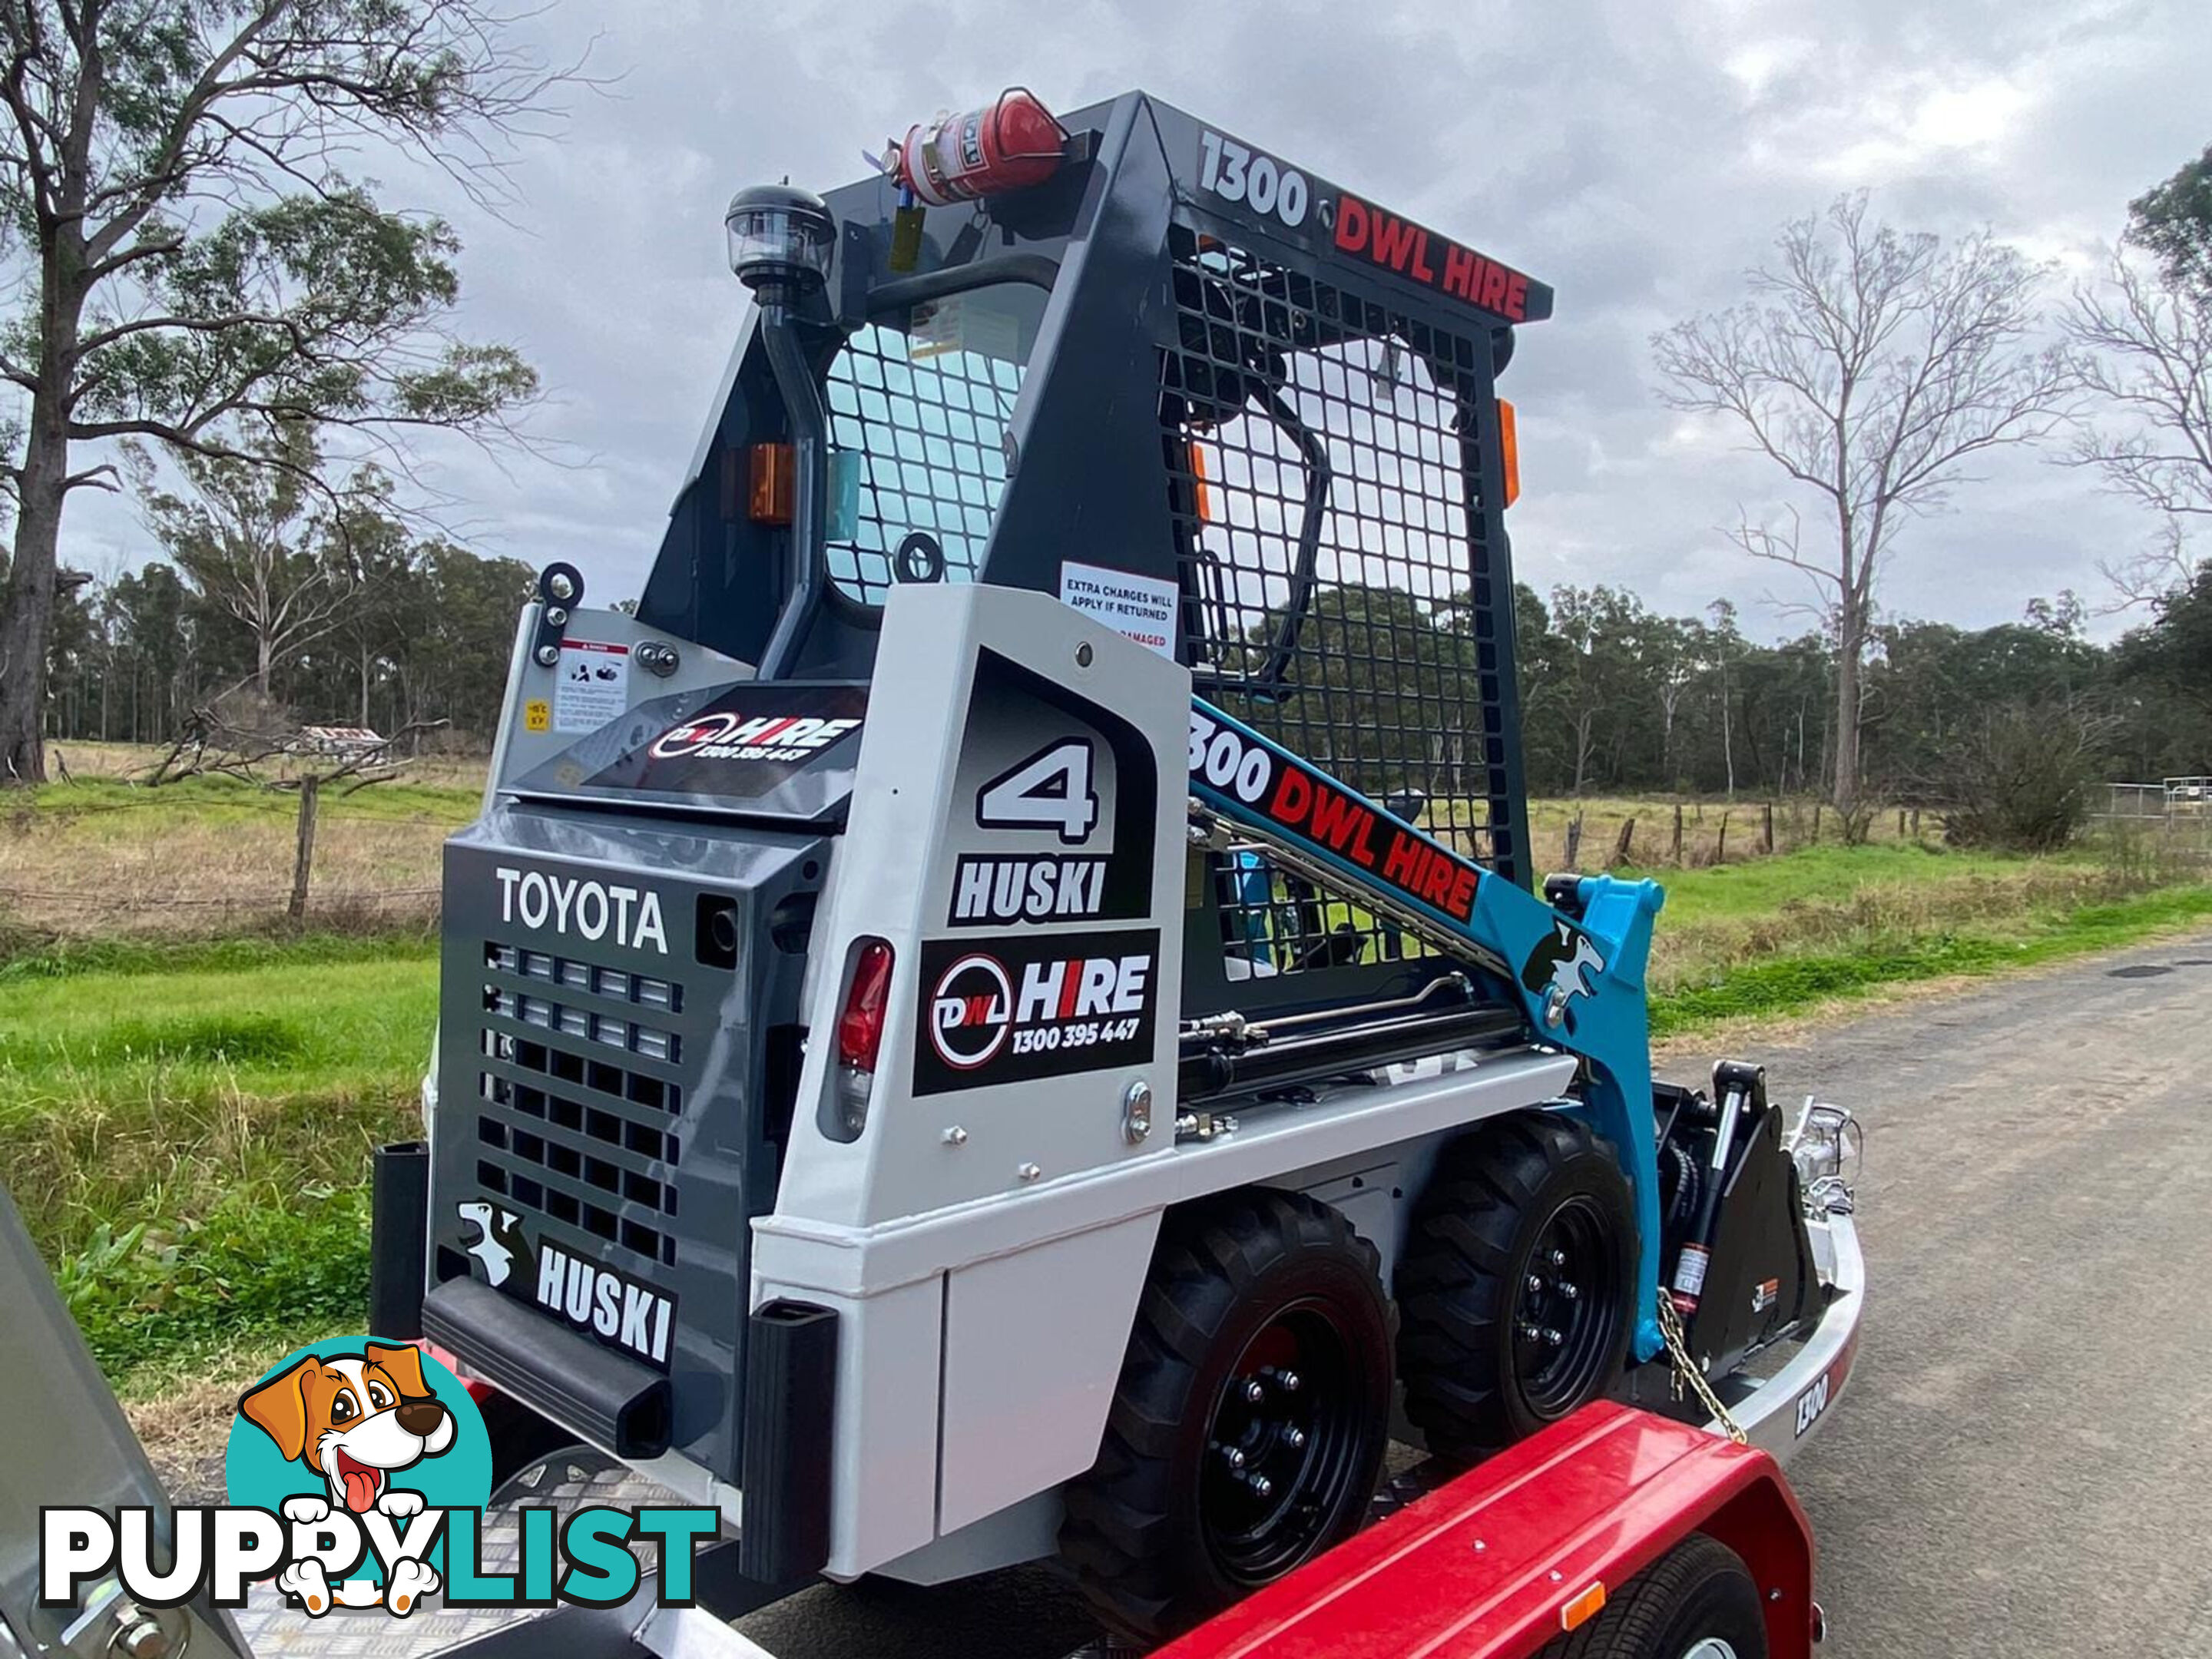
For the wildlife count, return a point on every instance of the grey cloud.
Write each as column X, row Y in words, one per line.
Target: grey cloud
column 1637, row 156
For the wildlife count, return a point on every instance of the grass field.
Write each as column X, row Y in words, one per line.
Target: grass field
column 103, row 856
column 189, row 1090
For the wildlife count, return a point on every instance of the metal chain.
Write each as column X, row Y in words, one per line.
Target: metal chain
column 1685, row 1371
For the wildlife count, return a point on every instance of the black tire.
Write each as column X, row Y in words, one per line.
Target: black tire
column 1697, row 1593
column 1260, row 1290
column 1481, row 1300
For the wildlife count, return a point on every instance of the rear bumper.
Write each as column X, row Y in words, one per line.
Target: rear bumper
column 1783, row 1412
column 614, row 1402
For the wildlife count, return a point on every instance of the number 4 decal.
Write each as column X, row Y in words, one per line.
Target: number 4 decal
column 1049, row 790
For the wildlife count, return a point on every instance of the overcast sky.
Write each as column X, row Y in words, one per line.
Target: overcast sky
column 1636, row 155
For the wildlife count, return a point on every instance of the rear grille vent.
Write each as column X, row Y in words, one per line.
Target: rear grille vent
column 584, row 1136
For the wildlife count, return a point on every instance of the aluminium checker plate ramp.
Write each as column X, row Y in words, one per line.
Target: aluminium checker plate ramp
column 274, row 1629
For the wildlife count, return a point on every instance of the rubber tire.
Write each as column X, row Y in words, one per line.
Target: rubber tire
column 1222, row 1269
column 1492, row 1193
column 1697, row 1590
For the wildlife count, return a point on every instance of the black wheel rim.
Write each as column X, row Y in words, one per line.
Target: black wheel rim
column 1283, row 1444
column 1567, row 1306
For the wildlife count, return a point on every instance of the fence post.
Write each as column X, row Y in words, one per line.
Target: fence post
column 1768, row 833
column 1574, row 839
column 1677, row 833
column 1900, row 824
column 303, row 856
column 1627, row 835
column 1720, row 851
column 1816, row 823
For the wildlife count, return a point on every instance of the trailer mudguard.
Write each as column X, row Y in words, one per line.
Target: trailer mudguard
column 1506, row 1558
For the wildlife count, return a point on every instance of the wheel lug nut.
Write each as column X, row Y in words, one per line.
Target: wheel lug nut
column 1569, row 1292
column 1254, row 1391
column 1552, row 1338
column 1558, row 1258
column 1295, row 1438
column 1535, row 1285
column 1287, row 1380
column 1232, row 1455
column 1528, row 1332
column 1260, row 1485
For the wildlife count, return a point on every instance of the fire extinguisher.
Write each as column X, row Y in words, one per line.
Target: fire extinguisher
column 1009, row 144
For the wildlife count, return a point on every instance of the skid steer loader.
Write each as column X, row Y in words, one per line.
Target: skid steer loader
column 1004, row 1012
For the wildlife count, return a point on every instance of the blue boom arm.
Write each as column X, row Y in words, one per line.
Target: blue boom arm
column 1580, row 979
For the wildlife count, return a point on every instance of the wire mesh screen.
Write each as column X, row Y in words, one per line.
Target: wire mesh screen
column 920, row 416
column 1276, row 922
column 1338, row 594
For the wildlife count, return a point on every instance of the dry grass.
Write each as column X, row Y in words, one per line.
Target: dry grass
column 1712, row 831
column 106, row 856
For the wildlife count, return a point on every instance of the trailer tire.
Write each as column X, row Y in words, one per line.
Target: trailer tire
column 1696, row 1601
column 1476, row 1277
column 1244, row 1290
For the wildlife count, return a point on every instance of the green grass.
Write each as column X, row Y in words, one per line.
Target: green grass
column 1786, row 983
column 97, row 802
column 187, row 1127
column 1761, row 887
column 190, row 1148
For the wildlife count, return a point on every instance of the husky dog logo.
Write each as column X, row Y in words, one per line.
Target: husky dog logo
column 500, row 1245
column 1558, row 969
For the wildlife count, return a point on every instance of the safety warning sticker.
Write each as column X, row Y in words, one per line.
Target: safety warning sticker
column 1139, row 608
column 591, row 686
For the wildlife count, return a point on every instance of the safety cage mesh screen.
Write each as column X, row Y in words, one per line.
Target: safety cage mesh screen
column 918, row 419
column 1326, row 483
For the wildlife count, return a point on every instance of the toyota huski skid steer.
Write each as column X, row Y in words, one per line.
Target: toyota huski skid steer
column 1002, row 1013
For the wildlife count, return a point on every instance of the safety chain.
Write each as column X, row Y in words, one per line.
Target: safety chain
column 1686, row 1370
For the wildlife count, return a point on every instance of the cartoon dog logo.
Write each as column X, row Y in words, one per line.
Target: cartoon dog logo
column 354, row 1420
column 500, row 1244
column 1558, row 968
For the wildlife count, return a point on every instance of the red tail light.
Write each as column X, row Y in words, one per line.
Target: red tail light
column 860, row 1027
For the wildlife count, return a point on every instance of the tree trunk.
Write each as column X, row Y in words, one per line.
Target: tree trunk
column 303, row 856
column 26, row 607
column 261, row 664
column 1728, row 735
column 27, row 613
column 1847, row 715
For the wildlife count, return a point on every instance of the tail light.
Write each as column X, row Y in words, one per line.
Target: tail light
column 860, row 1031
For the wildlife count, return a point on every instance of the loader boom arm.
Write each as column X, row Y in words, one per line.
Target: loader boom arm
column 1579, row 978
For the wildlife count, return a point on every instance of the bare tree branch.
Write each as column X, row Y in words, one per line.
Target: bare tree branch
column 2143, row 359
column 1870, row 367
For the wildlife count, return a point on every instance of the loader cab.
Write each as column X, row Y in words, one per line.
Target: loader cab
column 1245, row 415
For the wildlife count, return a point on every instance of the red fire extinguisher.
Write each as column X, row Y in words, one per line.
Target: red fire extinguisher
column 1011, row 144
